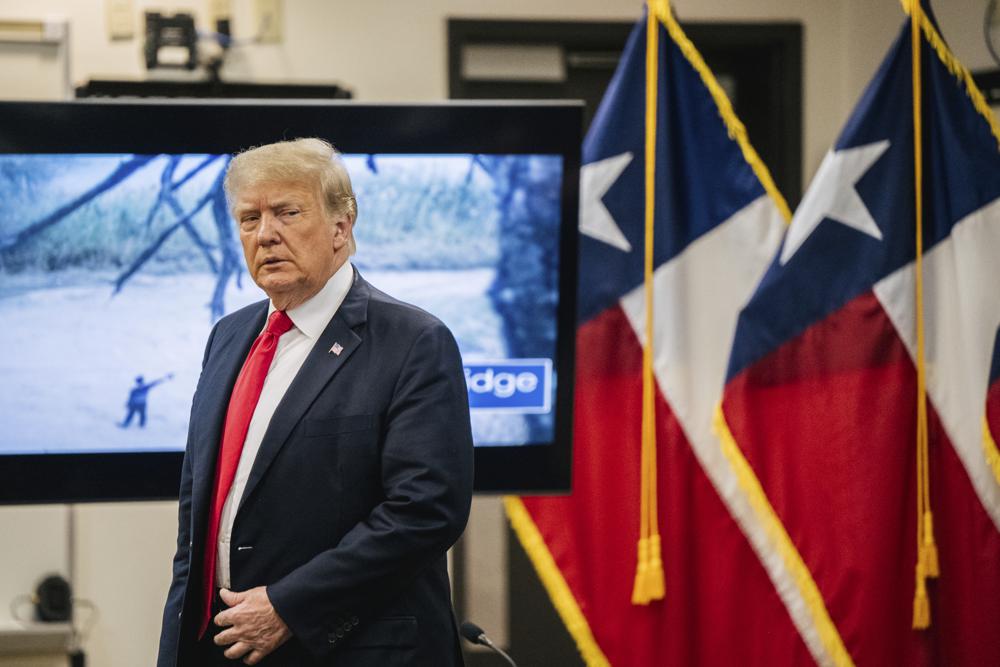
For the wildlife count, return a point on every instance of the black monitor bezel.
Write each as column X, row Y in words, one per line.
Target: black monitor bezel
column 168, row 126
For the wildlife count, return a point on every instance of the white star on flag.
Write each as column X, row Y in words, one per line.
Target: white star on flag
column 596, row 179
column 832, row 195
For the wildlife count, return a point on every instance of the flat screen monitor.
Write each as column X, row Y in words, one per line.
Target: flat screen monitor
column 118, row 254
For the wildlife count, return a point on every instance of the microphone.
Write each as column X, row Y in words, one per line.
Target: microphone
column 476, row 635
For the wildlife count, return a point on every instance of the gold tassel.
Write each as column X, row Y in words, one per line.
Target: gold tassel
column 655, row 587
column 929, row 549
column 640, row 587
column 927, row 556
column 649, row 580
column 921, row 604
column 648, row 584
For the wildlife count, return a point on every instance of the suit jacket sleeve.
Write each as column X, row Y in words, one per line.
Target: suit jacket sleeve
column 170, row 630
column 426, row 470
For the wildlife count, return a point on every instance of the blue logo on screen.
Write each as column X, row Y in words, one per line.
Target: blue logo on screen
column 510, row 385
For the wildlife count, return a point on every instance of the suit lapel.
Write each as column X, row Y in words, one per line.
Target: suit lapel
column 317, row 371
column 219, row 374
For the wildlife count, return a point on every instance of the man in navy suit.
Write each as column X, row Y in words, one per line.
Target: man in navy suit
column 355, row 473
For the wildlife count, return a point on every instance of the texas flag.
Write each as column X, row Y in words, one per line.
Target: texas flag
column 717, row 225
column 820, row 407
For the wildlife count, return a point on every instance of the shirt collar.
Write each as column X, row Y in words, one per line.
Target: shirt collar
column 312, row 316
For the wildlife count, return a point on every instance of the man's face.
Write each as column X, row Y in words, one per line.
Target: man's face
column 292, row 246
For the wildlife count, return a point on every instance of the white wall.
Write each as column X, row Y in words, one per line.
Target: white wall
column 384, row 50
column 387, row 50
column 122, row 565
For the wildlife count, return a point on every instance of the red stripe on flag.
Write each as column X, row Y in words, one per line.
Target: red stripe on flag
column 720, row 607
column 965, row 600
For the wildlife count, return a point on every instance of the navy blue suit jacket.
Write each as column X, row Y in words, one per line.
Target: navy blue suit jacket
column 362, row 483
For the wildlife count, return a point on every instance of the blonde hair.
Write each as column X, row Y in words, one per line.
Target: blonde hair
column 311, row 160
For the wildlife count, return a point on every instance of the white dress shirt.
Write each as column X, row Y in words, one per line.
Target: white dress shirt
column 310, row 320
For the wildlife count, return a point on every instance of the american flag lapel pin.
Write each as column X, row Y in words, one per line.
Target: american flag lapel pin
column 337, row 349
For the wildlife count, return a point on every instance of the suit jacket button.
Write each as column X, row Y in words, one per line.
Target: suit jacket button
column 354, row 620
column 340, row 633
column 332, row 639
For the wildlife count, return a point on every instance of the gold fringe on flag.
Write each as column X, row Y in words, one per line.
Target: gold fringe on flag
column 649, row 584
column 555, row 584
column 958, row 70
column 990, row 450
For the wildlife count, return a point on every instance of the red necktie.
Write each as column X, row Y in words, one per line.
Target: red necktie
column 242, row 403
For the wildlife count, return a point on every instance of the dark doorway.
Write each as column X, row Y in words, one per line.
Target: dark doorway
column 758, row 64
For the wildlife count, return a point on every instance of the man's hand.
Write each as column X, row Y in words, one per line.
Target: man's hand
column 253, row 627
